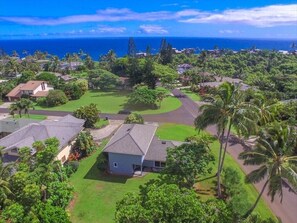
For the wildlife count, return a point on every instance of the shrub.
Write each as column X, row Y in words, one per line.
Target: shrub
column 55, row 98
column 102, row 162
column 41, row 101
column 83, row 85
column 134, row 118
column 71, row 167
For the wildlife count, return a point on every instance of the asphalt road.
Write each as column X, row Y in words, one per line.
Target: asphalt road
column 186, row 114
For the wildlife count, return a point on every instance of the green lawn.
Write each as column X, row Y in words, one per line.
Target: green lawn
column 101, row 123
column 96, row 194
column 171, row 131
column 113, row 102
column 191, row 94
column 206, row 188
column 36, row 117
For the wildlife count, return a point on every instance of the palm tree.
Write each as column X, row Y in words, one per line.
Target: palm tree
column 4, row 184
column 274, row 154
column 26, row 105
column 22, row 105
column 228, row 109
column 12, row 109
column 212, row 114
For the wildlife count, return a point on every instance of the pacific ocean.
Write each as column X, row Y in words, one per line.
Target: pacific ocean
column 100, row 46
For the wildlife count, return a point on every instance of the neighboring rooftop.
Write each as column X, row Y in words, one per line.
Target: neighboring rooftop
column 10, row 124
column 64, row 129
column 31, row 85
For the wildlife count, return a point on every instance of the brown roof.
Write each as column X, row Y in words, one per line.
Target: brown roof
column 40, row 94
column 16, row 92
column 31, row 85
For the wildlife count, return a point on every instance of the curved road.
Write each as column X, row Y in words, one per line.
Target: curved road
column 186, row 114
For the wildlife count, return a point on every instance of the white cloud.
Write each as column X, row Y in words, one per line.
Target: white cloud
column 111, row 29
column 152, row 29
column 229, row 31
column 269, row 16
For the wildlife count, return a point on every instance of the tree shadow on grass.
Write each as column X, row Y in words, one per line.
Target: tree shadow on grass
column 95, row 174
column 139, row 108
column 101, row 93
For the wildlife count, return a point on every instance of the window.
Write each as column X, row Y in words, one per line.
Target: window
column 115, row 165
column 160, row 164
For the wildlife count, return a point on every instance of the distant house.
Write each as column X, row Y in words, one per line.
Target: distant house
column 135, row 147
column 65, row 129
column 220, row 80
column 65, row 77
column 70, row 65
column 181, row 68
column 32, row 88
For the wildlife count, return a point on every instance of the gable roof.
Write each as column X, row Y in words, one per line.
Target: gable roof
column 16, row 92
column 133, row 139
column 32, row 85
column 29, row 86
column 64, row 130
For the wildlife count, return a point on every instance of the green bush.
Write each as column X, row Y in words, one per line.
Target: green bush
column 102, row 162
column 73, row 91
column 41, row 101
column 71, row 167
column 134, row 118
column 55, row 98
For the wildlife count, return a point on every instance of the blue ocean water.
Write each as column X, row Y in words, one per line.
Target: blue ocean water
column 99, row 46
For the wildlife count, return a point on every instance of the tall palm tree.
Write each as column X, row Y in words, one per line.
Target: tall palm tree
column 274, row 154
column 228, row 109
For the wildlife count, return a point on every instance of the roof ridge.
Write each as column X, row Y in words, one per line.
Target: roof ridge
column 118, row 138
column 136, row 144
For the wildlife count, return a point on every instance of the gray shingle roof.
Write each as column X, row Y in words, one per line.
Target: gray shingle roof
column 133, row 139
column 158, row 149
column 65, row 130
column 11, row 124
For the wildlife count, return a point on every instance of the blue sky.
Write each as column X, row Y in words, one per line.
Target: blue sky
column 98, row 18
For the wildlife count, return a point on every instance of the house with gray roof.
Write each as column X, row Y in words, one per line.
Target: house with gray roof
column 135, row 147
column 10, row 125
column 65, row 129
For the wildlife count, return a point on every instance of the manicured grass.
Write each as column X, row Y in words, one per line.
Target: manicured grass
column 171, row 131
column 206, row 188
column 191, row 94
column 113, row 102
column 101, row 123
column 36, row 117
column 96, row 193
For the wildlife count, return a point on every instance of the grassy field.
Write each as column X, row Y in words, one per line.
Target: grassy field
column 206, row 188
column 191, row 94
column 36, row 117
column 96, row 194
column 113, row 102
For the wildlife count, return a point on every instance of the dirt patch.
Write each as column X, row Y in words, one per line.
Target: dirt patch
column 72, row 202
column 99, row 187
